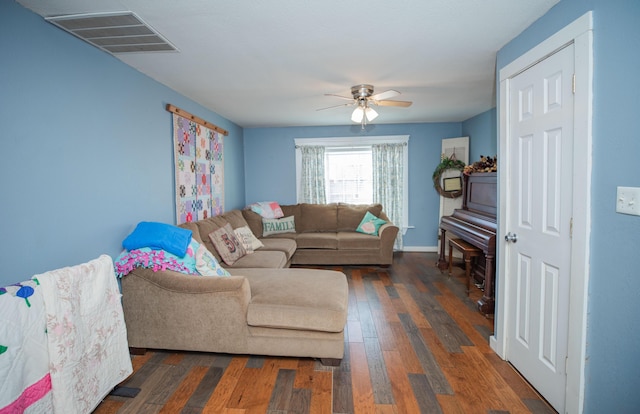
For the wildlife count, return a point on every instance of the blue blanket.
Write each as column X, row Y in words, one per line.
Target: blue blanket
column 159, row 236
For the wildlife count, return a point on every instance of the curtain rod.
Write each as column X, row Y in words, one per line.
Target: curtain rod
column 195, row 119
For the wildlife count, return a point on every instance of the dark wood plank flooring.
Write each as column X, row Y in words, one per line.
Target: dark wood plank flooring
column 414, row 343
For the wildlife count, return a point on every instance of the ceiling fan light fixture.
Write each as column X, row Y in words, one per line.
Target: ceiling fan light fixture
column 370, row 113
column 358, row 114
column 363, row 97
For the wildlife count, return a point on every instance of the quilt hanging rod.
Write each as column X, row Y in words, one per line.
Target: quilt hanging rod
column 195, row 119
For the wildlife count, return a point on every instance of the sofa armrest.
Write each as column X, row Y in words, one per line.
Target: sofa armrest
column 387, row 233
column 171, row 310
column 177, row 282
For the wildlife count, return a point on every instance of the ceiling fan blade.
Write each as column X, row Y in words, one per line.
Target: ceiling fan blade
column 339, row 96
column 403, row 104
column 384, row 95
column 335, row 106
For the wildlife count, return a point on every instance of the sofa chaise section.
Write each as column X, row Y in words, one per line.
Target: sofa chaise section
column 281, row 312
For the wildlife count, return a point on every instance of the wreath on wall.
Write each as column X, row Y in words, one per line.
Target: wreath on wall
column 447, row 164
column 485, row 164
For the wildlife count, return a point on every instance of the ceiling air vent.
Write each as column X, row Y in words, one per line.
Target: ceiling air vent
column 122, row 32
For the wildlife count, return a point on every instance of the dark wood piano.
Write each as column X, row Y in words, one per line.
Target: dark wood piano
column 475, row 223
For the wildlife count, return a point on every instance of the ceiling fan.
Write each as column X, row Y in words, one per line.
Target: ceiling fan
column 363, row 98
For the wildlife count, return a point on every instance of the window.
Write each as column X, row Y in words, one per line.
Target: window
column 348, row 175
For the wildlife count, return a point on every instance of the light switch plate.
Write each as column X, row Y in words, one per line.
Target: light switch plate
column 628, row 200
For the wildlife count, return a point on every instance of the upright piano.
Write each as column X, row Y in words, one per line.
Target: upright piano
column 475, row 223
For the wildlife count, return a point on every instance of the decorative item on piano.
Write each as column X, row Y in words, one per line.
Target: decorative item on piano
column 486, row 164
column 447, row 164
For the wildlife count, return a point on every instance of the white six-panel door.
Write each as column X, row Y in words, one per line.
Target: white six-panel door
column 540, row 171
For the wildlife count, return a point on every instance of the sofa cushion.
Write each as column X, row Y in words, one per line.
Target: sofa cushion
column 324, row 240
column 351, row 240
column 278, row 226
column 235, row 218
column 205, row 228
column 277, row 302
column 292, row 210
column 227, row 244
column 317, row 217
column 350, row 215
column 262, row 259
column 254, row 221
column 281, row 244
column 195, row 233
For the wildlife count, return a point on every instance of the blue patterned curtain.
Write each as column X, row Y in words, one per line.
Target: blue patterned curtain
column 388, row 167
column 312, row 184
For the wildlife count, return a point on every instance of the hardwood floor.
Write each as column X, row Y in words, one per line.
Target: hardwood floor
column 414, row 344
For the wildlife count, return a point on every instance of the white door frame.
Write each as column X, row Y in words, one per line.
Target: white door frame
column 580, row 33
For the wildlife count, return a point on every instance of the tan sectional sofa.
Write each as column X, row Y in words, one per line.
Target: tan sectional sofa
column 325, row 234
column 265, row 307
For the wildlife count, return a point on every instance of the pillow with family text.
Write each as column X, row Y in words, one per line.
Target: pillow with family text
column 278, row 226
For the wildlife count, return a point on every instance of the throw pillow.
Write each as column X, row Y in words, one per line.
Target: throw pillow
column 207, row 265
column 277, row 226
column 227, row 244
column 267, row 209
column 249, row 241
column 370, row 224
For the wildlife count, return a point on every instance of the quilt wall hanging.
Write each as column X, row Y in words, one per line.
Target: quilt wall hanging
column 199, row 167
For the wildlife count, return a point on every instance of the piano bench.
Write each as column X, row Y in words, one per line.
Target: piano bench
column 469, row 253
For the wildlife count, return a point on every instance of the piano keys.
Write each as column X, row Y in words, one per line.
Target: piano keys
column 476, row 224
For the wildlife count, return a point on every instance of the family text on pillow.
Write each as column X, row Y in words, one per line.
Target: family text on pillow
column 277, row 226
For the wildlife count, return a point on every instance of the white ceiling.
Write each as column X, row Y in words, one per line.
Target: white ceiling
column 265, row 63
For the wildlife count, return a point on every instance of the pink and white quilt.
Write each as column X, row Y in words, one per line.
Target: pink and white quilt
column 63, row 341
column 86, row 334
column 24, row 356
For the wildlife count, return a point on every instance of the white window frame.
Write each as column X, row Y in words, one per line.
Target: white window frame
column 358, row 142
column 329, row 151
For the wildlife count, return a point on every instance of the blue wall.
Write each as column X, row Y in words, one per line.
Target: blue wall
column 483, row 135
column 271, row 175
column 87, row 149
column 613, row 335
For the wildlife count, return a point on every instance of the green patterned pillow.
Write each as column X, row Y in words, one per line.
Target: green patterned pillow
column 370, row 224
column 277, row 226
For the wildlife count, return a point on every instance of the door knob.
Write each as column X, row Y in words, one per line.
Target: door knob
column 511, row 237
